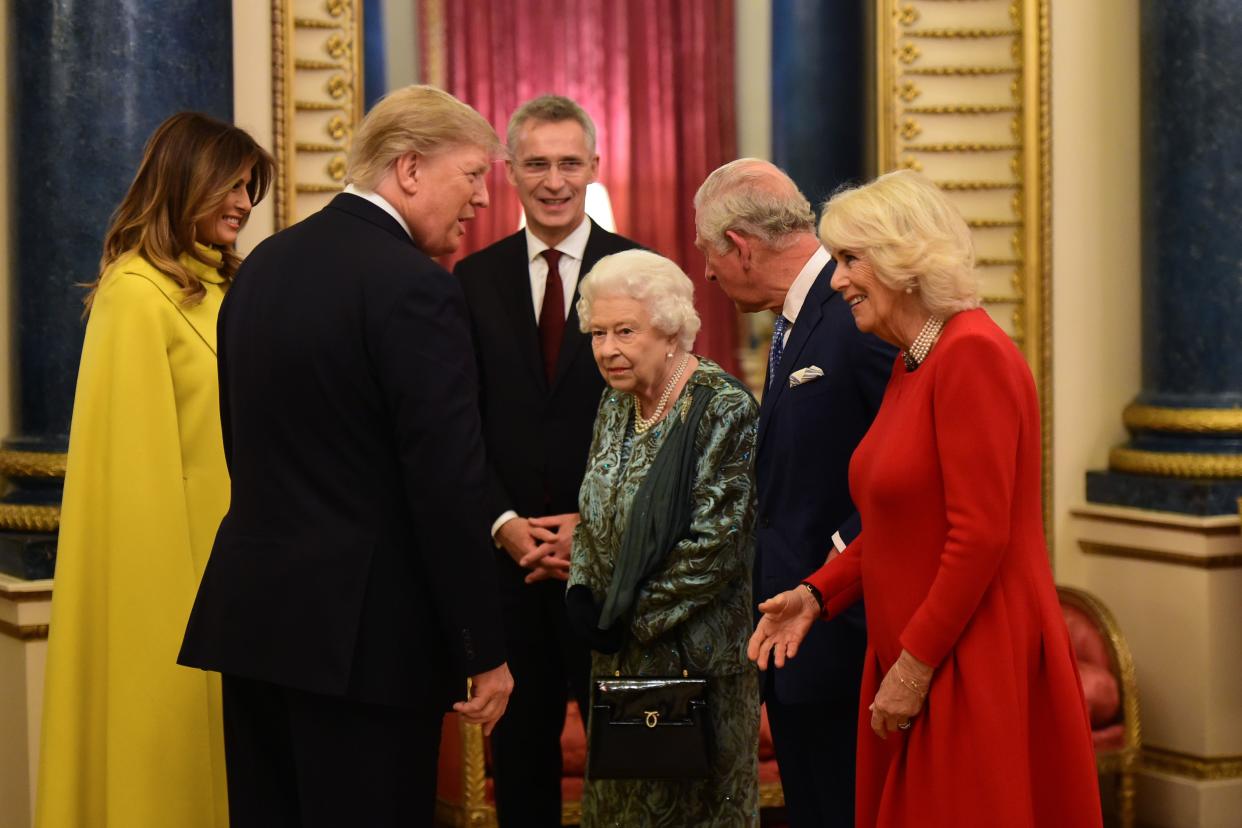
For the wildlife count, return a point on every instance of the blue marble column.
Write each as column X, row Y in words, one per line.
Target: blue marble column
column 1185, row 451
column 819, row 93
column 92, row 80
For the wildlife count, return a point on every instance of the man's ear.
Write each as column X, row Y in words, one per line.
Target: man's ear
column 510, row 172
column 408, row 169
column 743, row 245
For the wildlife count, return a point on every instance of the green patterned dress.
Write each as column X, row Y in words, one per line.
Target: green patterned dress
column 700, row 595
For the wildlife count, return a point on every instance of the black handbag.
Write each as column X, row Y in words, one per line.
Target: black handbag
column 649, row 727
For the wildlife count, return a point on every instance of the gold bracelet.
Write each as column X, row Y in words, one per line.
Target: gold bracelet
column 913, row 684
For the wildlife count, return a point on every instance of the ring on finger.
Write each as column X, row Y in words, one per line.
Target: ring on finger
column 904, row 725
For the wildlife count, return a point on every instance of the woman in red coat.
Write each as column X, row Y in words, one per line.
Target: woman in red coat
column 971, row 710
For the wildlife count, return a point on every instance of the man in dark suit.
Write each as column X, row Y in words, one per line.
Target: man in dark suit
column 540, row 389
column 349, row 592
column 824, row 386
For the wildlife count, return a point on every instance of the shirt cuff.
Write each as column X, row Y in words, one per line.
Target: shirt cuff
column 504, row 518
column 836, row 541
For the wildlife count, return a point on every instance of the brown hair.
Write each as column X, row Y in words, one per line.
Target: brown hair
column 188, row 167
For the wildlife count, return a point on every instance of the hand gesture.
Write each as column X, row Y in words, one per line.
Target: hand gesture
column 489, row 696
column 514, row 536
column 901, row 695
column 550, row 558
column 787, row 618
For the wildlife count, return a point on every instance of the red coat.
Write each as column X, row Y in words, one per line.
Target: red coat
column 954, row 567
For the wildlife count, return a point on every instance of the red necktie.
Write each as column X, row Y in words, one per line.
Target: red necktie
column 552, row 315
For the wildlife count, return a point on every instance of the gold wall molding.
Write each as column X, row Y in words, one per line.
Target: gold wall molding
column 1108, row 550
column 317, row 91
column 1177, row 763
column 23, row 518
column 1183, row 420
column 1174, row 463
column 978, row 92
column 25, row 632
column 32, row 463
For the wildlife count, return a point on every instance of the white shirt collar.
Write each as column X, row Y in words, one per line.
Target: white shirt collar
column 573, row 245
column 380, row 202
column 802, row 285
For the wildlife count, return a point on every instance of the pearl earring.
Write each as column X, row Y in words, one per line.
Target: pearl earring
column 669, row 355
column 909, row 290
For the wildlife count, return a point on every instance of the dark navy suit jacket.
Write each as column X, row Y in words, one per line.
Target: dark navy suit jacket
column 806, row 437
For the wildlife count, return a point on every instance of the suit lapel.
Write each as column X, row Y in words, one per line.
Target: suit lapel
column 513, row 283
column 809, row 317
column 201, row 317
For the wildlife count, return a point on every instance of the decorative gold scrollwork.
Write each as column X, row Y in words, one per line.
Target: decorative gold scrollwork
column 910, row 129
column 912, row 163
column 909, row 53
column 336, row 7
column 907, row 15
column 336, row 168
column 336, row 46
column 336, row 127
column 338, row 86
column 909, row 91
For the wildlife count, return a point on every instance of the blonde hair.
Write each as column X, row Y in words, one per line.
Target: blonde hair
column 912, row 236
column 188, row 167
column 419, row 119
column 753, row 197
column 657, row 282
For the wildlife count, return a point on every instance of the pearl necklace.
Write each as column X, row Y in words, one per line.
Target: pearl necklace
column 923, row 343
column 641, row 425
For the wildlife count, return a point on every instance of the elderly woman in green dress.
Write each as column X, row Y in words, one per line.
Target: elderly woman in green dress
column 652, row 608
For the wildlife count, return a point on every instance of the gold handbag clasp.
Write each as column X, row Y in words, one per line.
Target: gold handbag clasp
column 653, row 717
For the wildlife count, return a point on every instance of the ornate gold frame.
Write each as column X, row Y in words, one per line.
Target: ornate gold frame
column 943, row 107
column 317, row 100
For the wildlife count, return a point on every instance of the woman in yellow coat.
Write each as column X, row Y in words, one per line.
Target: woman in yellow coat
column 129, row 738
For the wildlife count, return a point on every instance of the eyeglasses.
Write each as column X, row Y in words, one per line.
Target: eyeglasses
column 539, row 167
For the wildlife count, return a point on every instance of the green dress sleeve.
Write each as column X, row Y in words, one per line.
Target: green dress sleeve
column 718, row 550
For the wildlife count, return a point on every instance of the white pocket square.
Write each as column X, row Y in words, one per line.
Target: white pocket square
column 805, row 375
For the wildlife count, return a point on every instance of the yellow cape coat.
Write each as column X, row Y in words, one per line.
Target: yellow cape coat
column 131, row 739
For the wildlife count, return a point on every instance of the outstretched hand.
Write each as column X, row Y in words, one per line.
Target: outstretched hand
column 787, row 618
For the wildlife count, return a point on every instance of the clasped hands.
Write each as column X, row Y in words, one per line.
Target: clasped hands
column 787, row 618
column 541, row 544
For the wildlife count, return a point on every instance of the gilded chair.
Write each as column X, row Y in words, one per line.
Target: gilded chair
column 1111, row 690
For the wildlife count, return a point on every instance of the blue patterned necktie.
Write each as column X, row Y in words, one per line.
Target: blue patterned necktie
column 778, row 346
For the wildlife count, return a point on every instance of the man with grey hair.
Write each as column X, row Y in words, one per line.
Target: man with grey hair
column 349, row 593
column 540, row 390
column 824, row 385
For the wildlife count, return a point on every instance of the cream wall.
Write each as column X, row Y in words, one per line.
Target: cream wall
column 753, row 78
column 252, row 99
column 1096, row 251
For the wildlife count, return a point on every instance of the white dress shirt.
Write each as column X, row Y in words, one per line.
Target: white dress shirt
column 573, row 248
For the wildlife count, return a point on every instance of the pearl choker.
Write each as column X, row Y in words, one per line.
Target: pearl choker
column 643, row 425
column 923, row 343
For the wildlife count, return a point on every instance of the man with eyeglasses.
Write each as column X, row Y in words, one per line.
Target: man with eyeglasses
column 539, row 390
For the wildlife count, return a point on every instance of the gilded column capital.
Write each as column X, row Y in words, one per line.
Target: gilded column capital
column 32, row 463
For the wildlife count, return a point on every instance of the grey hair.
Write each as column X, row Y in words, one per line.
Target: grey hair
column 550, row 108
column 755, row 198
column 657, row 282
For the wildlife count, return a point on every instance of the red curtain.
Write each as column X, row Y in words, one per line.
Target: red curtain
column 655, row 75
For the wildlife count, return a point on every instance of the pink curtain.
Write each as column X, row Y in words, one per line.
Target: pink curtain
column 656, row 76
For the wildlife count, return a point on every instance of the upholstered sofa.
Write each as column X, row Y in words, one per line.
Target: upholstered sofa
column 465, row 795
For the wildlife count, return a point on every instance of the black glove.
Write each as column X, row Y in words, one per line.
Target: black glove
column 584, row 621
